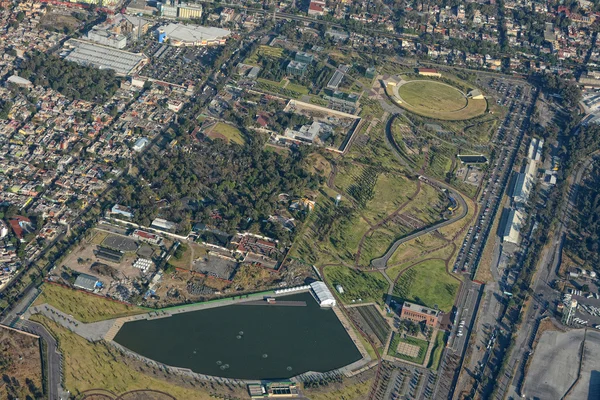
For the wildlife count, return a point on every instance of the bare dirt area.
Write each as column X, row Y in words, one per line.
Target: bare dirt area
column 20, row 365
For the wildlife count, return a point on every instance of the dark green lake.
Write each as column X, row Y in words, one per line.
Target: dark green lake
column 246, row 342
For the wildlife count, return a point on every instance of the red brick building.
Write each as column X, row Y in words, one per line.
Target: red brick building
column 416, row 313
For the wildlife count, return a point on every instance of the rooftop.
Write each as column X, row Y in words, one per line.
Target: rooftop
column 102, row 57
column 194, row 33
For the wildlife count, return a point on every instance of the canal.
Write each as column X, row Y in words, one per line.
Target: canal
column 246, row 341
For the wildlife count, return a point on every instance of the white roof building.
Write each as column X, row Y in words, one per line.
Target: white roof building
column 194, row 35
column 514, row 222
column 323, row 295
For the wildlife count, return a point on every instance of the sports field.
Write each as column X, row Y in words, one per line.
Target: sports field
column 436, row 100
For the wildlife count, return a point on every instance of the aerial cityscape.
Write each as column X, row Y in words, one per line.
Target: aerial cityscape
column 315, row 199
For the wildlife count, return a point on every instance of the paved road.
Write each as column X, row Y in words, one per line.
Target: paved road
column 53, row 358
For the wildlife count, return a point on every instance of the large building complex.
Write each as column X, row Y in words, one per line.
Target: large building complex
column 193, row 35
column 103, row 57
column 417, row 313
column 117, row 30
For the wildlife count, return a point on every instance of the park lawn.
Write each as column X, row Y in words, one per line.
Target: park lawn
column 391, row 190
column 432, row 96
column 378, row 242
column 317, row 164
column 83, row 306
column 88, row 365
column 427, row 102
column 230, row 132
column 346, row 175
column 427, row 205
column 369, row 287
column 347, row 247
column 438, row 348
column 449, row 231
column 415, row 248
column 297, row 88
column 349, row 391
column 429, row 284
column 423, row 345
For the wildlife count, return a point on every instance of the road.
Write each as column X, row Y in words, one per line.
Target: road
column 55, row 390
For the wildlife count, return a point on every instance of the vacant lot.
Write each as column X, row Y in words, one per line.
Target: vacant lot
column 428, row 284
column 20, row 365
column 82, row 306
column 227, row 132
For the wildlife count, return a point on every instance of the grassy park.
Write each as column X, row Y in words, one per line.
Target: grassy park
column 428, row 284
column 397, row 339
column 436, row 100
column 438, row 349
column 83, row 306
column 369, row 287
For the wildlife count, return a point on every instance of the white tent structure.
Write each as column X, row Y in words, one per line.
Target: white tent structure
column 323, row 295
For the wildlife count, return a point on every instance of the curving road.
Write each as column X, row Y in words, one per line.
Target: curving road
column 381, row 262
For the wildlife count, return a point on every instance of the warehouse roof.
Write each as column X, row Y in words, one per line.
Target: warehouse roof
column 322, row 292
column 103, row 57
column 85, row 281
column 194, row 33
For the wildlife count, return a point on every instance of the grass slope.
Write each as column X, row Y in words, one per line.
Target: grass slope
column 370, row 287
column 428, row 284
column 82, row 306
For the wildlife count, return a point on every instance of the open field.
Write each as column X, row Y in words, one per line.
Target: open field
column 368, row 287
column 227, row 132
column 82, row 306
column 89, row 365
column 436, row 352
column 20, row 365
column 431, row 96
column 428, row 284
column 408, row 348
column 436, row 100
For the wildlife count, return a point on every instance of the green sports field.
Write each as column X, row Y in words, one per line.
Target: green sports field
column 436, row 100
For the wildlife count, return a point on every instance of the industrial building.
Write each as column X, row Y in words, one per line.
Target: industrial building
column 524, row 183
column 514, row 222
column 163, row 225
column 140, row 144
column 103, row 57
column 121, row 210
column 87, row 282
column 323, row 294
column 193, row 35
column 417, row 313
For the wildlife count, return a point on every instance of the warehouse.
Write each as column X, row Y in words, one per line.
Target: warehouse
column 193, row 35
column 102, row 57
column 324, row 296
column 512, row 230
column 87, row 282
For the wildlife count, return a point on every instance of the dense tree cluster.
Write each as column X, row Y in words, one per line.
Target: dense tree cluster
column 227, row 186
column 70, row 79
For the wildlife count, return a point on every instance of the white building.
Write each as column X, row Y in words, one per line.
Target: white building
column 194, row 35
column 323, row 295
column 514, row 223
